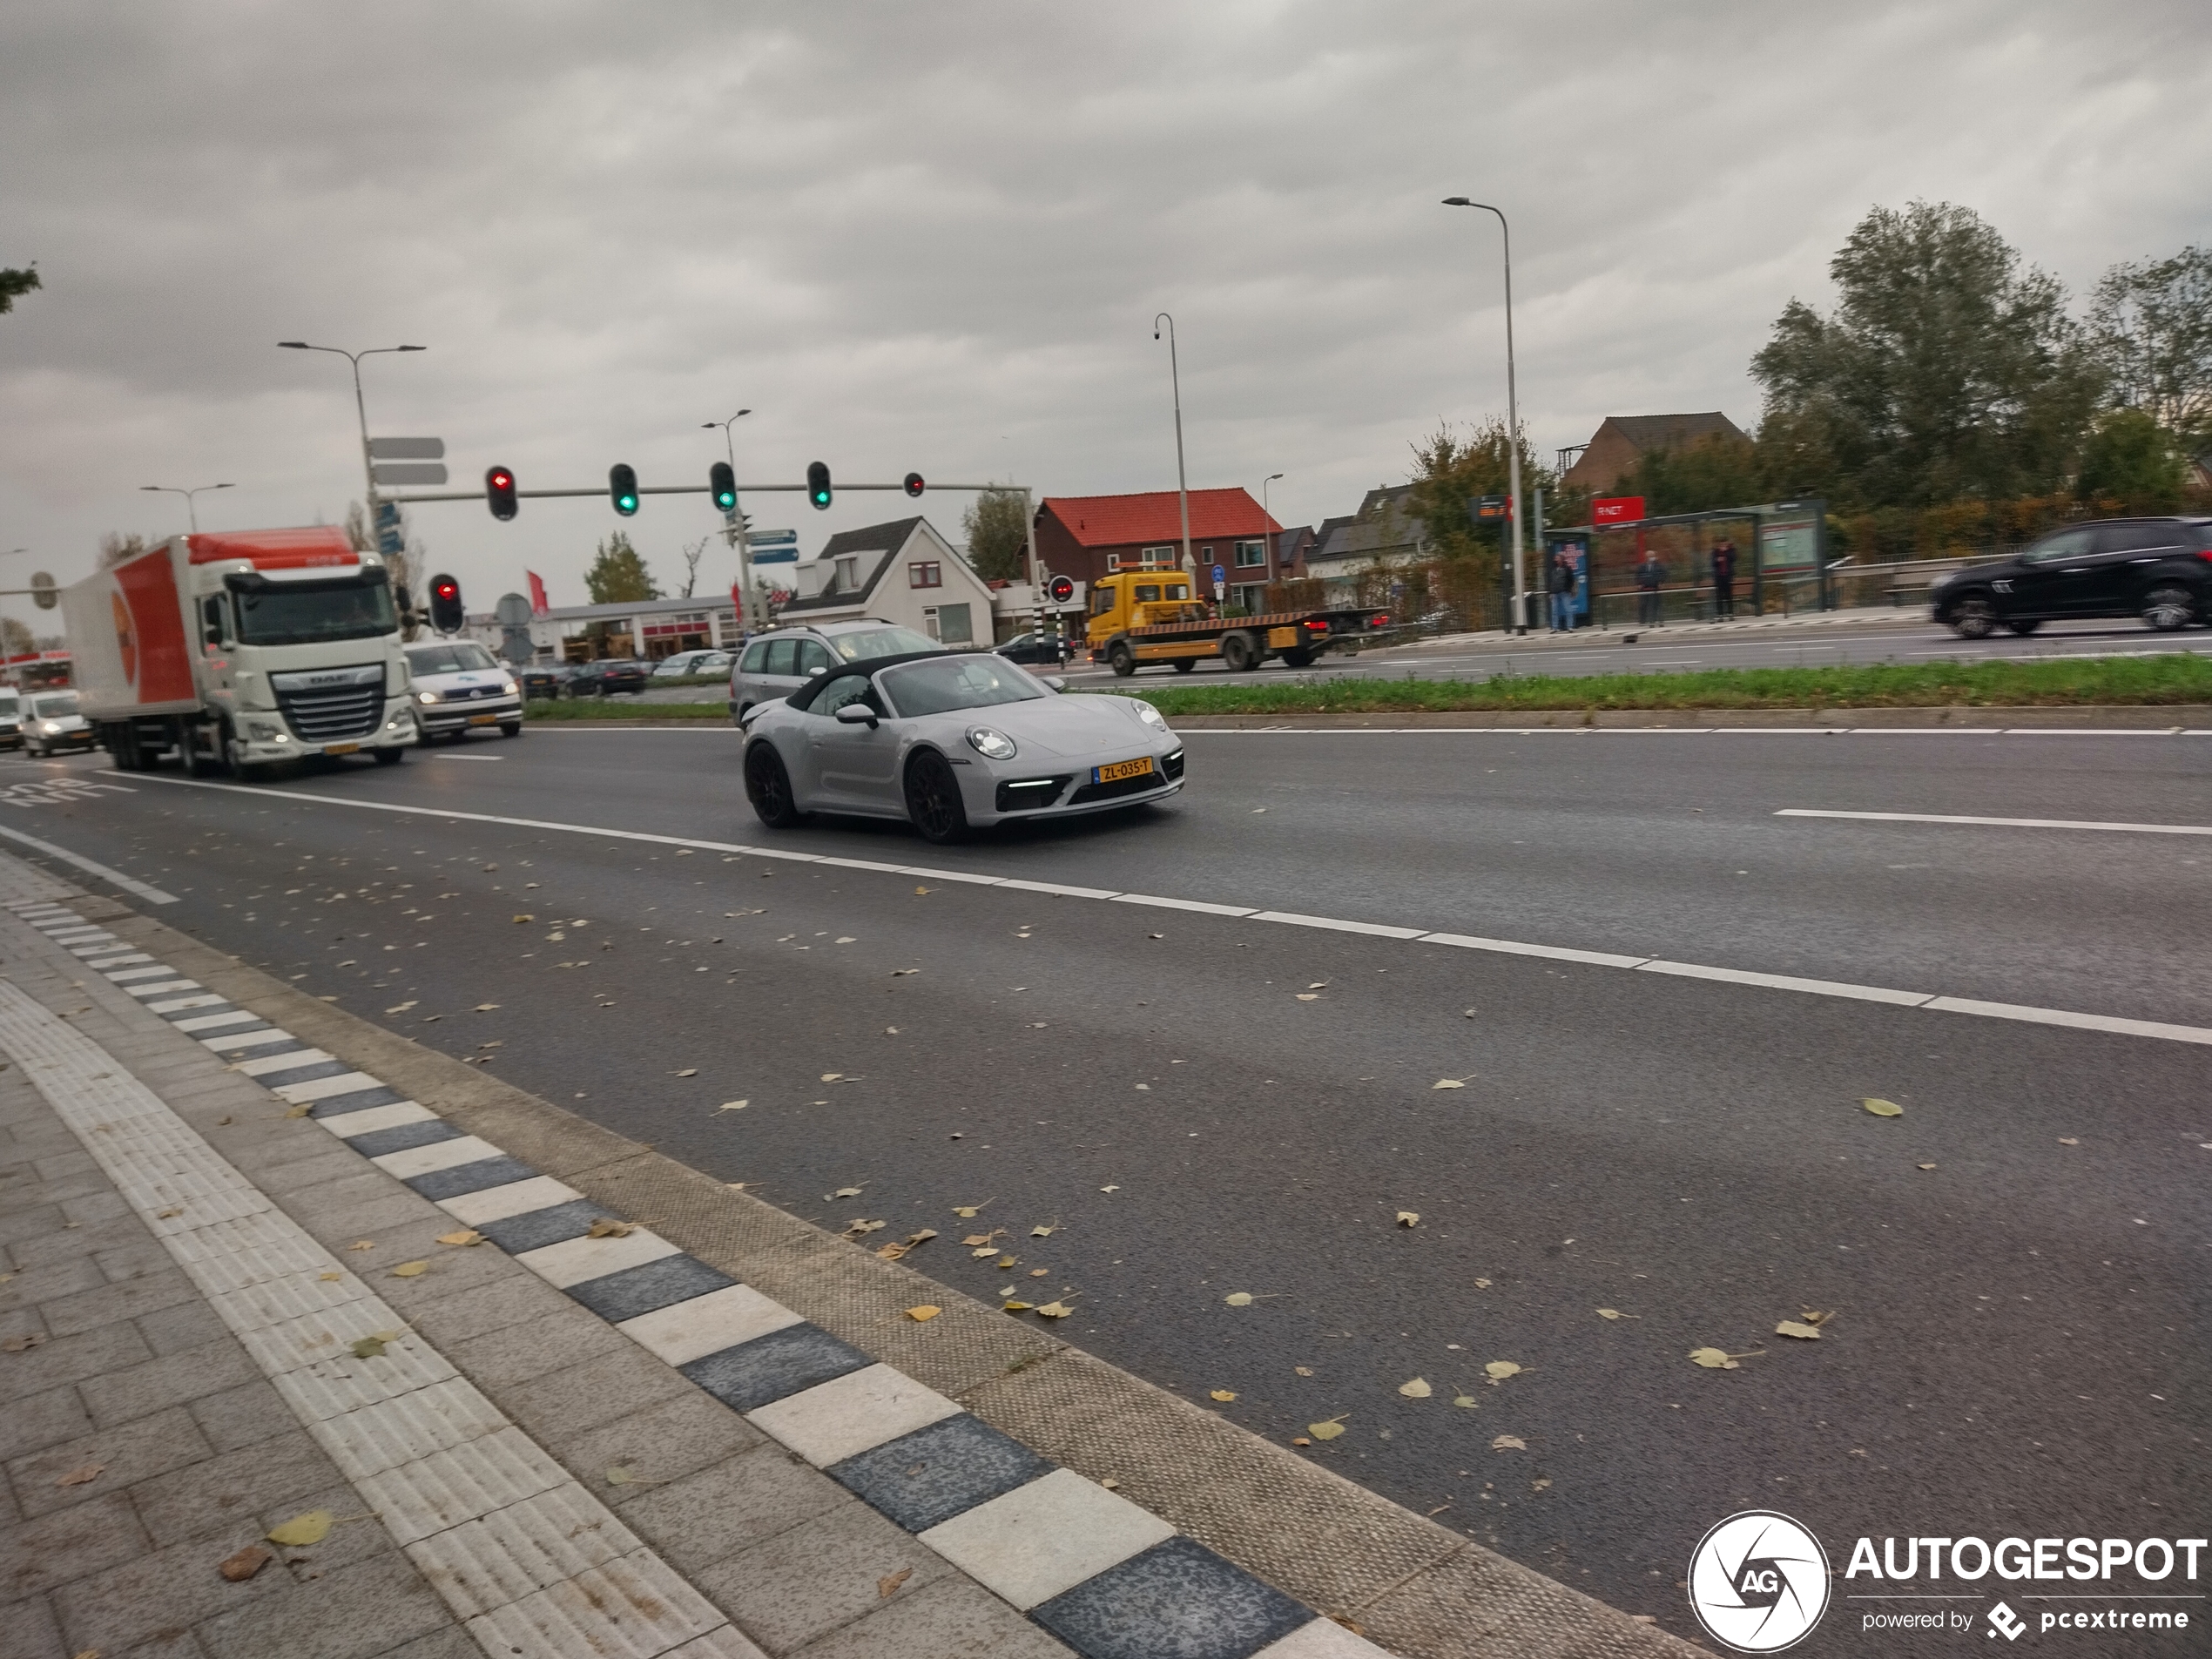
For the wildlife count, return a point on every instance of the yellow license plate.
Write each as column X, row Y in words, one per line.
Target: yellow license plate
column 483, row 719
column 341, row 748
column 1120, row 770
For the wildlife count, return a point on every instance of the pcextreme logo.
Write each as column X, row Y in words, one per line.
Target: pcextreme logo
column 1758, row 1582
column 126, row 640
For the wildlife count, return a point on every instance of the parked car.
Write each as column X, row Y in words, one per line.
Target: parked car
column 952, row 742
column 604, row 679
column 1054, row 649
column 543, row 680
column 775, row 665
column 458, row 685
column 10, row 718
column 684, row 662
column 2157, row 568
column 53, row 725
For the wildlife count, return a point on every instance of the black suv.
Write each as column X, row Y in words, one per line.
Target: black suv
column 2157, row 568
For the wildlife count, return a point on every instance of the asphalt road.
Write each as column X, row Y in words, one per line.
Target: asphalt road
column 1909, row 637
column 2019, row 1342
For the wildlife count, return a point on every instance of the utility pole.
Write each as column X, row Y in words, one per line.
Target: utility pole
column 1182, row 479
column 192, row 507
column 1513, row 422
column 360, row 409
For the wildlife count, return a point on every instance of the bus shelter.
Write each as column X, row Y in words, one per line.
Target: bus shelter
column 1781, row 561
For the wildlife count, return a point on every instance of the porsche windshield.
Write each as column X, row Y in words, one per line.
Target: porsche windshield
column 890, row 640
column 958, row 683
column 306, row 613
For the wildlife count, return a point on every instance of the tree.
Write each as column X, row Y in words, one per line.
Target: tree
column 1717, row 470
column 618, row 575
column 16, row 638
column 693, row 552
column 115, row 548
column 1451, row 469
column 1947, row 370
column 996, row 524
column 2152, row 324
column 2132, row 459
column 15, row 284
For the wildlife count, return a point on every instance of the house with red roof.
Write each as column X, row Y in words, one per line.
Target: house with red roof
column 1091, row 537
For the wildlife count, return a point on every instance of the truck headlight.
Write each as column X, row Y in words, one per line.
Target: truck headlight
column 1149, row 715
column 261, row 731
column 425, row 697
column 991, row 743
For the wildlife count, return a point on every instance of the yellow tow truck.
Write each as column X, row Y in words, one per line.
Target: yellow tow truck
column 1141, row 617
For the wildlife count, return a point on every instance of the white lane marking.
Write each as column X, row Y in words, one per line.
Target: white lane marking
column 153, row 895
column 1999, row 823
column 1790, row 982
column 467, row 757
column 1599, row 959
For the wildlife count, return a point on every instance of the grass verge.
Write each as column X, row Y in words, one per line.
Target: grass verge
column 2109, row 681
column 622, row 708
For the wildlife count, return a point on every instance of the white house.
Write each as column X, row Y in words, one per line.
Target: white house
column 903, row 572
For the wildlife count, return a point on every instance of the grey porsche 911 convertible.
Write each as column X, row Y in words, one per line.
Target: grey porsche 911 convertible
column 952, row 742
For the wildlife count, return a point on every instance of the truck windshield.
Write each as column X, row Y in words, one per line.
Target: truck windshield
column 959, row 683
column 306, row 613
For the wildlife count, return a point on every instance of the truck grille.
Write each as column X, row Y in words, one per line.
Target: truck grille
column 331, row 704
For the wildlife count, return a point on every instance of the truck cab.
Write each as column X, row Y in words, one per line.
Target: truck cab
column 1139, row 599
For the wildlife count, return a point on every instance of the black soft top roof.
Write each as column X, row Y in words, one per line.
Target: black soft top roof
column 805, row 695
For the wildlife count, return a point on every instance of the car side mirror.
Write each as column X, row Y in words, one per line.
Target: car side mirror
column 1055, row 682
column 813, row 672
column 856, row 714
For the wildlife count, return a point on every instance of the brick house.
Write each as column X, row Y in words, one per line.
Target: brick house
column 1091, row 537
column 1614, row 449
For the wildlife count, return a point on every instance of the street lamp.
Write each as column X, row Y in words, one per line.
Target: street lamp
column 192, row 507
column 368, row 465
column 1266, row 525
column 1182, row 480
column 1512, row 421
column 734, row 525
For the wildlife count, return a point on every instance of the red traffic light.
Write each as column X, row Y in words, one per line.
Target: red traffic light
column 914, row 484
column 499, row 493
column 1061, row 589
column 446, row 589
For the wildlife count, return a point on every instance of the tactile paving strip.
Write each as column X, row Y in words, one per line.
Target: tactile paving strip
column 1083, row 1562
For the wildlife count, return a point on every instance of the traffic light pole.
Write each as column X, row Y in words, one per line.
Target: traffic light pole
column 671, row 490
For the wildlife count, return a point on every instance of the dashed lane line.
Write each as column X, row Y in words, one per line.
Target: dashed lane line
column 2026, row 1013
column 1998, row 823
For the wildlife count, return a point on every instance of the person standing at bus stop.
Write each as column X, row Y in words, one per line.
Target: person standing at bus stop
column 1562, row 590
column 1723, row 578
column 1648, row 575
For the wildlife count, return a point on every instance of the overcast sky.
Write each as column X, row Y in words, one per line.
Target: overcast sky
column 935, row 236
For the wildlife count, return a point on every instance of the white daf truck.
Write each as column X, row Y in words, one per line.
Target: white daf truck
column 241, row 649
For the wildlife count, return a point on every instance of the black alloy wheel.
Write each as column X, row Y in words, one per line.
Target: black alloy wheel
column 1976, row 618
column 767, row 786
column 2169, row 608
column 1238, row 653
column 932, row 799
column 1120, row 659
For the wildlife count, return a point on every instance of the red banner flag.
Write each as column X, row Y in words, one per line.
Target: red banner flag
column 538, row 607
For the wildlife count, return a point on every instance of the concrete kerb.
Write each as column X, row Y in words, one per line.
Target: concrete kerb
column 1326, row 1540
column 2170, row 717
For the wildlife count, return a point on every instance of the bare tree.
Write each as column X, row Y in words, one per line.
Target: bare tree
column 114, row 548
column 693, row 552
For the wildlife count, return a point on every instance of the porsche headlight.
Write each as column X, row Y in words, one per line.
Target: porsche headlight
column 990, row 743
column 1149, row 715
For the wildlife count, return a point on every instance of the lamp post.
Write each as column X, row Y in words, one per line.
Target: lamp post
column 1267, row 525
column 192, row 507
column 360, row 409
column 734, row 527
column 1512, row 421
column 1182, row 479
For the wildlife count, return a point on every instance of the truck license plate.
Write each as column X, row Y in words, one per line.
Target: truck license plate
column 341, row 748
column 1120, row 770
column 483, row 719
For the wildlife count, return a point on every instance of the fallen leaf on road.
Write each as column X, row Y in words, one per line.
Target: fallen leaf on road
column 369, row 1347
column 1045, row 1232
column 887, row 1586
column 1238, row 1298
column 486, row 1008
column 608, row 1227
column 242, row 1566
column 921, row 889
column 923, row 1314
column 1538, row 1486
column 2068, row 1140
column 1327, row 1431
column 23, row 1343
column 80, row 1477
column 1110, row 1484
column 1257, row 810
column 173, row 1210
column 1309, row 996
column 410, row 1270
column 1300, row 1439
column 1447, row 1083
column 299, row 1111
column 621, row 1474
column 330, row 1279
column 1015, row 1307
column 311, row 1527
column 1469, row 1400
column 362, row 1244
column 1483, row 1285
column 466, row 1236
column 901, row 973
column 1884, row 1108
column 1499, row 1370
column 1109, row 1189
column 832, row 1076
column 1717, row 1360
column 1039, row 1272
column 1408, row 1217
column 847, row 939
column 733, row 1105
column 860, row 1225
column 1417, row 1389
column 967, row 1212
column 402, row 1008
column 1508, row 1443
column 1006, row 1261
column 1223, row 1394
column 1303, row 1371
column 1608, row 1313
column 1794, row 1328
column 1927, row 1166
column 526, row 918
column 1055, row 1311
column 847, row 1193
column 689, row 1071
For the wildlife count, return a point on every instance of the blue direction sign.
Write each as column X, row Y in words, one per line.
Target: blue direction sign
column 772, row 538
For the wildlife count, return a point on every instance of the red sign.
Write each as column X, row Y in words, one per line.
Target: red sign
column 538, row 607
column 1616, row 509
column 150, row 629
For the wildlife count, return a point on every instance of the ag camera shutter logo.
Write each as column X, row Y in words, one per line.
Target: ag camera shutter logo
column 1758, row 1582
